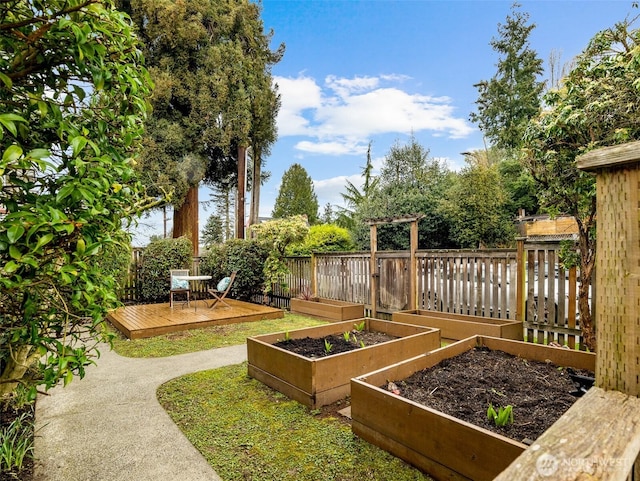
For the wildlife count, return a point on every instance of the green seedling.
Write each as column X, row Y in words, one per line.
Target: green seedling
column 287, row 336
column 360, row 326
column 346, row 335
column 327, row 346
column 361, row 343
column 502, row 417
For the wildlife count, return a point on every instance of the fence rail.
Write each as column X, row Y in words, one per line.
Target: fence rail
column 474, row 282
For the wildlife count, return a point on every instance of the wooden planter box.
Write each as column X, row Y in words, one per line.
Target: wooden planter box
column 460, row 326
column 317, row 382
column 328, row 309
column 438, row 444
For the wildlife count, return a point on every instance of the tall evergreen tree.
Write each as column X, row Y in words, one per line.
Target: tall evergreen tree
column 210, row 61
column 296, row 195
column 507, row 101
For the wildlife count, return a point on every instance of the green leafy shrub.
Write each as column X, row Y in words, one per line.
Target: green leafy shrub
column 246, row 256
column 323, row 238
column 116, row 258
column 160, row 256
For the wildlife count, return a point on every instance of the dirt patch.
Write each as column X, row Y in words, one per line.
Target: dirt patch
column 333, row 344
column 465, row 385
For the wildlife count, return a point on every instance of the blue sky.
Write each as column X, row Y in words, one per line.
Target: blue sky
column 382, row 70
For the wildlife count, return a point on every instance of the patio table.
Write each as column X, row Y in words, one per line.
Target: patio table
column 193, row 279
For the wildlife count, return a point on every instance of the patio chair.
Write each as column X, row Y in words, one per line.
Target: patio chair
column 222, row 289
column 179, row 286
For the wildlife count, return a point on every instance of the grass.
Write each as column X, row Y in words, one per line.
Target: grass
column 208, row 338
column 248, row 431
column 266, row 436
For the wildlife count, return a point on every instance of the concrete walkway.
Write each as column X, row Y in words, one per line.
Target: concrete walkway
column 109, row 426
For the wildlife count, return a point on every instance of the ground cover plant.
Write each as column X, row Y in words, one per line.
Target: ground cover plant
column 202, row 339
column 268, row 436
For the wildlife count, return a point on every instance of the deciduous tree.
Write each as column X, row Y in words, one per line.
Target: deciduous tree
column 598, row 105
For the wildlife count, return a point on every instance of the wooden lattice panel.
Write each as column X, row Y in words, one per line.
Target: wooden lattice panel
column 618, row 280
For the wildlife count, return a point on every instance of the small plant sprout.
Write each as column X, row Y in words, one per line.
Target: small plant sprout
column 361, row 343
column 360, row 326
column 354, row 338
column 501, row 418
column 287, row 336
column 346, row 335
column 327, row 346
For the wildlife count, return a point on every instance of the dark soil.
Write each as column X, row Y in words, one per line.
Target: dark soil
column 6, row 417
column 316, row 347
column 465, row 385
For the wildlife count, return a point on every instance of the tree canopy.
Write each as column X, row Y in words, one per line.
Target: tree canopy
column 72, row 106
column 409, row 182
column 597, row 105
column 507, row 101
column 210, row 61
column 296, row 195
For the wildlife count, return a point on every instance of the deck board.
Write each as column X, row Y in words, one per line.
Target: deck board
column 149, row 320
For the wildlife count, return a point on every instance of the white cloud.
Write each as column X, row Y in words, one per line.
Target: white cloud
column 341, row 116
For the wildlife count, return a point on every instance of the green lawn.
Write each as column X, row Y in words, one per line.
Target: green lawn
column 248, row 431
column 209, row 338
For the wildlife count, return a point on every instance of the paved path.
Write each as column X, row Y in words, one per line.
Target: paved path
column 109, row 426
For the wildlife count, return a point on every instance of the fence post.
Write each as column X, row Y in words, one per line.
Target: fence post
column 520, row 280
column 314, row 275
column 413, row 268
column 617, row 172
column 373, row 269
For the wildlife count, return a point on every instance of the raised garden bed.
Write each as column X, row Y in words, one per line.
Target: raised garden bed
column 460, row 326
column 319, row 381
column 441, row 444
column 328, row 309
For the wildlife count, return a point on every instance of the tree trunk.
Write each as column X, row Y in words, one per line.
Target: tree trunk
column 185, row 219
column 255, row 188
column 587, row 262
column 242, row 182
column 15, row 369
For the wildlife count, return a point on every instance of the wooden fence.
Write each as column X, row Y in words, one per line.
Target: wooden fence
column 473, row 282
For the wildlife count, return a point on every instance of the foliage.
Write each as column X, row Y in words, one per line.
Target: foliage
column 116, row 259
column 160, row 256
column 476, row 205
column 598, row 105
column 507, row 101
column 209, row 338
column 210, row 61
column 502, row 417
column 409, row 183
column 72, row 104
column 212, row 232
column 327, row 346
column 519, row 187
column 276, row 236
column 296, row 195
column 16, row 443
column 354, row 197
column 247, row 257
column 322, row 238
column 268, row 436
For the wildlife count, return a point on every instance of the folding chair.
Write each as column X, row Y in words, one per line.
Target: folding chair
column 220, row 292
column 179, row 286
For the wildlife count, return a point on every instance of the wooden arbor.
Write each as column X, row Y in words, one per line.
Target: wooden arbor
column 599, row 436
column 373, row 225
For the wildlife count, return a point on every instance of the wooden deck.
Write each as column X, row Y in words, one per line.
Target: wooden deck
column 150, row 320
